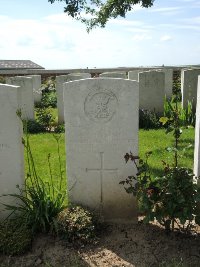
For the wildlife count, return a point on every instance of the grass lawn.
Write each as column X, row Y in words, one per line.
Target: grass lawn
column 152, row 140
column 41, row 146
column 157, row 142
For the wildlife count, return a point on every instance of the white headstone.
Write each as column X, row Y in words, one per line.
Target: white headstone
column 25, row 96
column 37, row 93
column 101, row 123
column 118, row 74
column 134, row 75
column 168, row 81
column 189, row 79
column 197, row 135
column 11, row 148
column 152, row 90
column 78, row 76
column 60, row 80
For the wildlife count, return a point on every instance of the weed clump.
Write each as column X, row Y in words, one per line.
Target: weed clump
column 76, row 224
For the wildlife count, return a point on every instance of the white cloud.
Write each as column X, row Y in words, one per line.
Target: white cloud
column 165, row 38
column 192, row 20
column 141, row 37
column 123, row 22
column 59, row 42
column 166, row 10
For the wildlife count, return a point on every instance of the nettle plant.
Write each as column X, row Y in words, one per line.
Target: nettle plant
column 171, row 199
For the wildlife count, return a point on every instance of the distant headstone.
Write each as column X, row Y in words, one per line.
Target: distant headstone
column 189, row 79
column 168, row 81
column 121, row 74
column 11, row 148
column 152, row 90
column 37, row 93
column 60, row 80
column 133, row 75
column 101, row 124
column 78, row 76
column 26, row 100
column 197, row 134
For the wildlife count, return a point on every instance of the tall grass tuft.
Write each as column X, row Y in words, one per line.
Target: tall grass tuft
column 39, row 202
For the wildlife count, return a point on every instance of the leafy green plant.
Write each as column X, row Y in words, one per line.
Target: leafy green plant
column 48, row 85
column 39, row 201
column 187, row 116
column 176, row 90
column 171, row 198
column 60, row 128
column 34, row 126
column 49, row 98
column 148, row 119
column 45, row 118
column 16, row 237
column 76, row 224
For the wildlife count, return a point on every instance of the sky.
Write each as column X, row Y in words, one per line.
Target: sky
column 167, row 33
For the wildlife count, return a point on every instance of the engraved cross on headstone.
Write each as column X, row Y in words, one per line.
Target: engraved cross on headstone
column 102, row 170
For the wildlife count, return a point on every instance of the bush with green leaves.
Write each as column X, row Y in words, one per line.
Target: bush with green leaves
column 176, row 90
column 148, row 119
column 45, row 118
column 173, row 197
column 49, row 98
column 169, row 199
column 60, row 128
column 34, row 126
column 15, row 237
column 39, row 200
column 48, row 85
column 187, row 116
column 76, row 224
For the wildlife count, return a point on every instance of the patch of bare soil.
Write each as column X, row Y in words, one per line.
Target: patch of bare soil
column 135, row 245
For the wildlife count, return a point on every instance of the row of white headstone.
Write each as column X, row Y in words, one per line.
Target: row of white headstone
column 101, row 118
column 153, row 87
column 29, row 93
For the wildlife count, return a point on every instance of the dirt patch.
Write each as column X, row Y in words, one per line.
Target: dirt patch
column 135, row 245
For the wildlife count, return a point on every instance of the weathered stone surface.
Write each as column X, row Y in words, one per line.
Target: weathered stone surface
column 101, row 122
column 152, row 90
column 78, row 76
column 189, row 80
column 134, row 75
column 37, row 93
column 26, row 100
column 60, row 80
column 168, row 82
column 11, row 148
column 114, row 75
column 197, row 134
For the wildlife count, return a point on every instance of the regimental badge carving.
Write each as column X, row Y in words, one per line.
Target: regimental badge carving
column 100, row 105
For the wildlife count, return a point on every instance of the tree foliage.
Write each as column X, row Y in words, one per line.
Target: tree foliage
column 96, row 13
